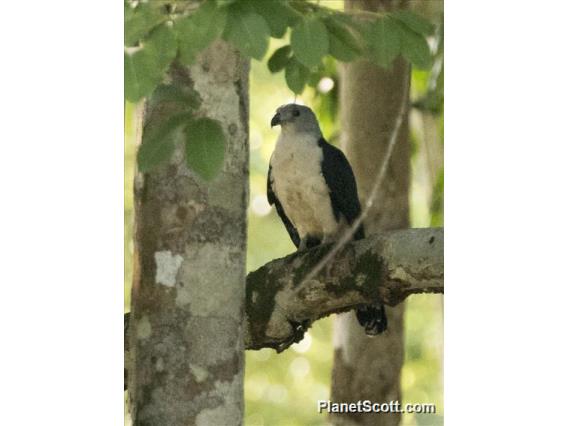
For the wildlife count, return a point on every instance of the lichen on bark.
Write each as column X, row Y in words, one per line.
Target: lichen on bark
column 186, row 337
column 386, row 267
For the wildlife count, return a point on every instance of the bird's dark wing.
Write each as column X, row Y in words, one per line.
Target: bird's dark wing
column 339, row 178
column 273, row 199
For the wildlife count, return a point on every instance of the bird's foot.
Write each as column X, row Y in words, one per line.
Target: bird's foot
column 298, row 331
column 308, row 242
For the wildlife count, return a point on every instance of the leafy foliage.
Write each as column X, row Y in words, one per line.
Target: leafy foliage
column 205, row 147
column 280, row 59
column 144, row 66
column 385, row 38
column 204, row 138
column 204, row 144
column 316, row 31
column 139, row 21
column 343, row 45
column 158, row 32
column 277, row 15
column 296, row 75
column 433, row 100
column 415, row 49
column 196, row 31
column 310, row 42
column 158, row 143
column 183, row 97
column 414, row 22
column 248, row 31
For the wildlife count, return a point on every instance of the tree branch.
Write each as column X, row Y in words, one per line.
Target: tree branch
column 385, row 268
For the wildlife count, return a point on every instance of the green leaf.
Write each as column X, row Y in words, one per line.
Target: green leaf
column 314, row 78
column 415, row 48
column 221, row 3
column 340, row 50
column 139, row 21
column 413, row 21
column 248, row 31
column 205, row 147
column 197, row 31
column 342, row 43
column 294, row 17
column 279, row 59
column 275, row 14
column 310, row 42
column 181, row 95
column 158, row 143
column 144, row 66
column 385, row 41
column 163, row 44
column 296, row 75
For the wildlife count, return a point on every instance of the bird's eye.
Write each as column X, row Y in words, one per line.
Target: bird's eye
column 296, row 113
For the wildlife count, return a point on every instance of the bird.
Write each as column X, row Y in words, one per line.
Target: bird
column 313, row 188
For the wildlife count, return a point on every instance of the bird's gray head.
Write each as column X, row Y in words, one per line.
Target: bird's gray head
column 296, row 119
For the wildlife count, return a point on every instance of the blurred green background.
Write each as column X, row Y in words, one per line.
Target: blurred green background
column 283, row 389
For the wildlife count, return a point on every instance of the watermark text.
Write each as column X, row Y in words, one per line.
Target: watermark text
column 367, row 406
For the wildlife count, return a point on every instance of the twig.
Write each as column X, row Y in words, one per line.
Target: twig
column 349, row 232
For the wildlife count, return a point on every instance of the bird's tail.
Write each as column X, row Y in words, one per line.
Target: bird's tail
column 373, row 318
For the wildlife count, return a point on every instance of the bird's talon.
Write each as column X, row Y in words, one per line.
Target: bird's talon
column 298, row 331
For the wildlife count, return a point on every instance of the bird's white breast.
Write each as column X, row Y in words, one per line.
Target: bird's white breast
column 300, row 187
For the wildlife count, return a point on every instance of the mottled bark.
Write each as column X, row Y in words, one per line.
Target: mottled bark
column 370, row 102
column 186, row 337
column 386, row 267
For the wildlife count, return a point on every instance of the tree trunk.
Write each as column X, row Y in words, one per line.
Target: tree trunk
column 370, row 101
column 186, row 332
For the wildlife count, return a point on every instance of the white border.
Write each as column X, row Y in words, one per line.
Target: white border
column 506, row 211
column 61, row 247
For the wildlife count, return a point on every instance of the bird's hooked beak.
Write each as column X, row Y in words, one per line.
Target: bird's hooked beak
column 275, row 120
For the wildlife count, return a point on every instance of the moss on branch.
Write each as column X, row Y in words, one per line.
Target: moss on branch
column 387, row 268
